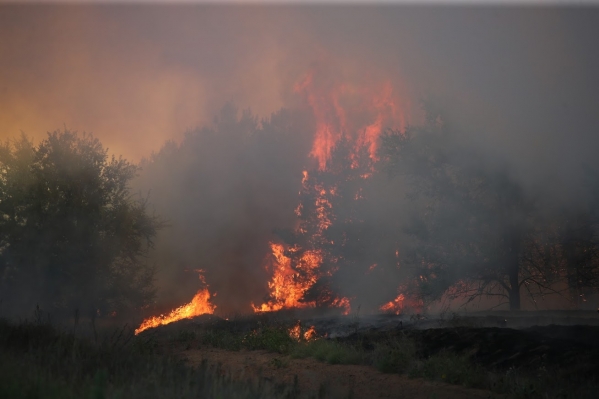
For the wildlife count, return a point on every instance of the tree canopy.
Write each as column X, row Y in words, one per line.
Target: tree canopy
column 72, row 235
column 477, row 231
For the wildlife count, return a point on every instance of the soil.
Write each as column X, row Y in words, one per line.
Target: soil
column 314, row 378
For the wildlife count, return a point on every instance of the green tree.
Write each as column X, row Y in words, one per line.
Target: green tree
column 71, row 233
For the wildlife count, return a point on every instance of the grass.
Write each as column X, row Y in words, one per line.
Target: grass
column 399, row 353
column 328, row 351
column 39, row 361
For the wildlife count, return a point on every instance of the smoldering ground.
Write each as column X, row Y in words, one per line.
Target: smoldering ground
column 516, row 84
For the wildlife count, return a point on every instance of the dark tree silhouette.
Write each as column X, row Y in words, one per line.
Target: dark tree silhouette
column 71, row 233
column 472, row 222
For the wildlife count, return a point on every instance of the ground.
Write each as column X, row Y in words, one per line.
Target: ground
column 504, row 354
column 322, row 379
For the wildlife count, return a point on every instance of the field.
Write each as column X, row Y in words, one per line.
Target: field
column 271, row 356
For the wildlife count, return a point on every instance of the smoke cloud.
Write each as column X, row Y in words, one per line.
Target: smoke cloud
column 519, row 84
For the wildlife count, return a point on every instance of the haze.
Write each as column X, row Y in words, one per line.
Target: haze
column 520, row 83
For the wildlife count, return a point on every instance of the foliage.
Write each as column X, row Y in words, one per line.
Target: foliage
column 224, row 188
column 71, row 233
column 476, row 230
column 336, row 222
column 329, row 351
column 395, row 355
column 270, row 338
column 39, row 361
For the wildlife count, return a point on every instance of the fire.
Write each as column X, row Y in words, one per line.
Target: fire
column 295, row 332
column 310, row 333
column 199, row 305
column 394, row 306
column 287, row 287
column 359, row 112
column 343, row 303
column 341, row 108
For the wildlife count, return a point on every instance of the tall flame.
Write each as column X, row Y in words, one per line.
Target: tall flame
column 358, row 109
column 360, row 113
column 353, row 110
column 199, row 305
column 287, row 288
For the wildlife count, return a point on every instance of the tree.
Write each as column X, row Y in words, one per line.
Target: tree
column 71, row 233
column 472, row 223
column 357, row 254
column 577, row 240
column 224, row 189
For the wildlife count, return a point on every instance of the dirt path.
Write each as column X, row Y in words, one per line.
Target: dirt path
column 339, row 380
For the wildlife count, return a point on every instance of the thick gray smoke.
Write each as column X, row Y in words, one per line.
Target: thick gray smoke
column 518, row 85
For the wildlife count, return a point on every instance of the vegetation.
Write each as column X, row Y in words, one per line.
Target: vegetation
column 72, row 236
column 39, row 361
column 411, row 353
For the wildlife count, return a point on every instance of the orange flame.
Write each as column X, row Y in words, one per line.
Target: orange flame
column 394, row 306
column 199, row 305
column 310, row 333
column 372, row 108
column 295, row 332
column 286, row 286
column 359, row 112
column 342, row 303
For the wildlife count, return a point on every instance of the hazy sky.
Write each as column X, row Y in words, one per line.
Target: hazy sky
column 524, row 79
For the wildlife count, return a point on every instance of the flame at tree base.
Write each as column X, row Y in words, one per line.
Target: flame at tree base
column 199, row 305
column 288, row 287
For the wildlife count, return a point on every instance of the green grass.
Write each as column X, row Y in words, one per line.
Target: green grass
column 395, row 355
column 329, row 351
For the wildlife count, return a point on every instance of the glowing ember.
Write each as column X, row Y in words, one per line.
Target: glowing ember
column 394, row 306
column 199, row 305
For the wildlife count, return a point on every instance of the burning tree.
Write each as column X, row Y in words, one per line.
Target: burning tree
column 337, row 253
column 71, row 235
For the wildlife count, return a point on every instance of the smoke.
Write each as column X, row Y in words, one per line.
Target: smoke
column 518, row 84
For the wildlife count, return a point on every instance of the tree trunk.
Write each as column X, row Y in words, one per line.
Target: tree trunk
column 513, row 272
column 514, row 293
column 513, row 260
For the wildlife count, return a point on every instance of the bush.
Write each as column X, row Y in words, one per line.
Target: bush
column 395, row 356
